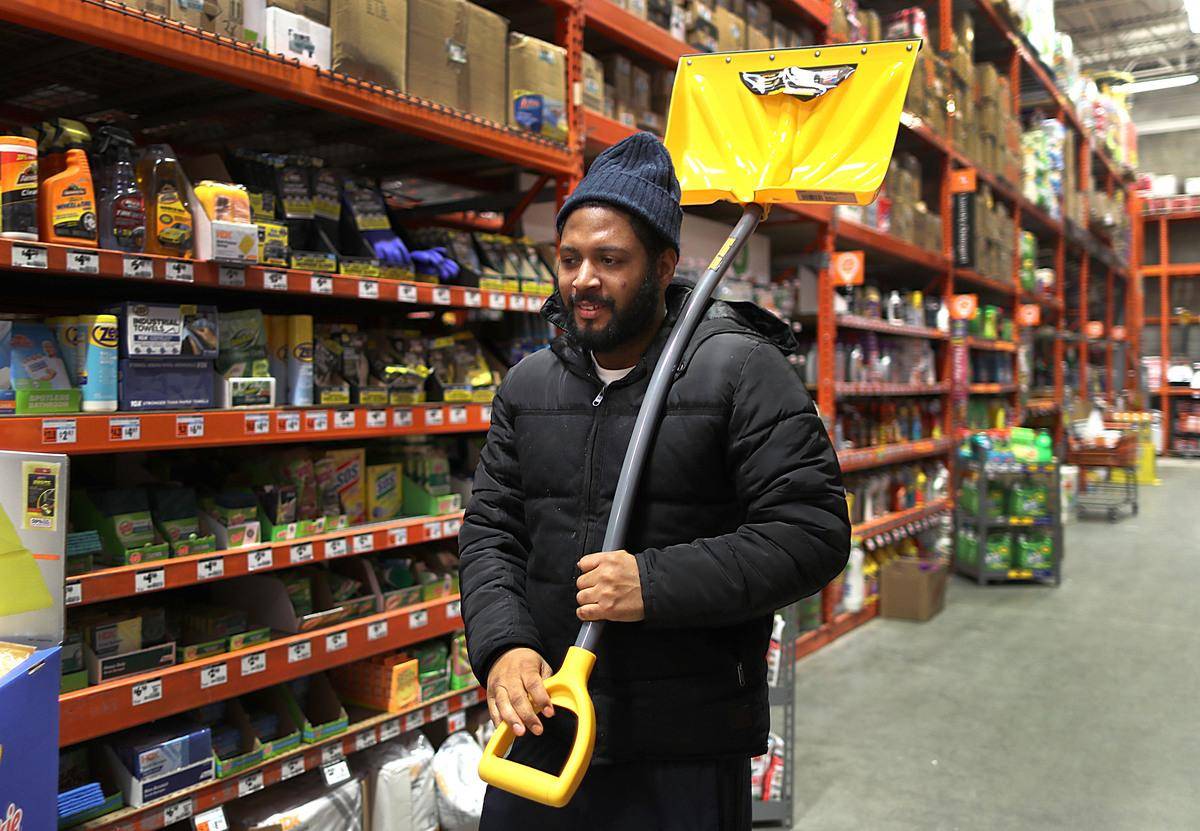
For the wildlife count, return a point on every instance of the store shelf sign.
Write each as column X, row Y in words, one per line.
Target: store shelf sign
column 211, row 820
column 288, row 422
column 364, row 543
column 407, row 294
column 847, row 267
column 275, row 281
column 963, row 180
column 73, row 594
column 178, row 271
column 1029, row 314
column 389, row 730
column 29, row 256
column 336, row 641
column 83, row 262
column 397, row 537
column 59, row 431
column 291, row 768
column 368, row 290
column 125, row 429
column 336, row 547
column 231, row 278
column 418, row 619
column 1094, row 329
column 146, row 691
column 178, row 812
column 189, row 427
column 257, row 560
column 149, row 581
column 377, row 630
column 252, row 783
column 300, row 651
column 963, row 306
column 138, row 268
column 336, row 773
column 214, row 675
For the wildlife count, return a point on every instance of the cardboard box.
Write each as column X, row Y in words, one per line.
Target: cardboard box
column 226, row 18
column 731, row 30
column 618, row 72
column 537, row 86
column 457, row 56
column 370, row 40
column 149, row 763
column 640, row 101
column 296, row 36
column 274, row 701
column 593, row 83
column 757, row 39
column 190, row 12
column 912, row 589
column 320, row 714
column 315, row 10
column 173, row 384
column 161, row 8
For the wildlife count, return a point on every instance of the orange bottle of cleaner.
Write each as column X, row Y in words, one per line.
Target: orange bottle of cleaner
column 168, row 214
column 67, row 203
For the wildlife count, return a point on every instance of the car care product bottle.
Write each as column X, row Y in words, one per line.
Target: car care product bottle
column 122, row 209
column 67, row 204
column 18, row 188
column 169, row 228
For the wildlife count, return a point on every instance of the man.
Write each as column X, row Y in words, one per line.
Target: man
column 741, row 511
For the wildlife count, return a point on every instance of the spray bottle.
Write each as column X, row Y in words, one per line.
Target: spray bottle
column 165, row 190
column 122, row 209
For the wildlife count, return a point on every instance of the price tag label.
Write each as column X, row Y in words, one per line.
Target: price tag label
column 377, row 630
column 485, row 412
column 251, row 783
column 458, row 414
column 441, row 296
column 496, row 301
column 433, row 530
column 364, row 543
column 124, row 429
column 257, row 560
column 335, row 548
column 83, row 262
column 368, row 290
column 418, row 619
column 72, row 594
column 534, row 304
column 365, row 739
column 454, row 608
column 407, row 294
column 300, row 651
column 397, row 537
column 178, row 812
column 291, row 768
column 450, row 527
column 59, row 431
column 440, row 709
column 147, row 691
column 178, row 271
column 389, row 730
column 402, row 417
column 376, row 419
column 189, row 426
column 29, row 256
column 317, row 421
column 138, row 268
column 149, row 581
column 435, row 417
column 345, row 419
column 516, row 302
column 472, row 299
column 320, row 284
column 336, row 773
column 254, row 664
column 210, row 569
column 230, row 277
column 213, row 676
column 456, row 721
column 211, row 820
column 331, row 753
column 275, row 280
column 258, row 424
column 471, row 697
column 336, row 641
column 288, row 422
column 414, row 720
column 301, row 553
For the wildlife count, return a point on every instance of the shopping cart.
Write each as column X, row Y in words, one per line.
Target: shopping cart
column 1119, row 489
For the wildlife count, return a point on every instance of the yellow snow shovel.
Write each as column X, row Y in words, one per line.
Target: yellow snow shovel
column 754, row 128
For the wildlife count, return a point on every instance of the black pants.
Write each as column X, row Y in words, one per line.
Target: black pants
column 694, row 795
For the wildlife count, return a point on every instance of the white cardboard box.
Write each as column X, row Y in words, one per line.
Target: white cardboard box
column 295, row 36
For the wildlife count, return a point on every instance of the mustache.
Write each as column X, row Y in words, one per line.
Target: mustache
column 597, row 299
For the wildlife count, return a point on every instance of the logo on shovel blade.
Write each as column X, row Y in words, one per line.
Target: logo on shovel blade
column 805, row 84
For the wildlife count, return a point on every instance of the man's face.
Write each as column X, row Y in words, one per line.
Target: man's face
column 611, row 290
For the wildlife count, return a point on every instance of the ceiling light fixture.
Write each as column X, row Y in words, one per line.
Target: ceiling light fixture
column 1192, row 7
column 1152, row 84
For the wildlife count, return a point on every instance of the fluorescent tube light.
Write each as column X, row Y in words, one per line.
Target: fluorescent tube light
column 1152, row 84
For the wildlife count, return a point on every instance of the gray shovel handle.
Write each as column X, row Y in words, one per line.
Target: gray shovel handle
column 648, row 416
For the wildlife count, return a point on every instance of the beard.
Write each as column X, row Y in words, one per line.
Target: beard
column 623, row 325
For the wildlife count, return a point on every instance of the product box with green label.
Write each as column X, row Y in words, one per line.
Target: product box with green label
column 34, row 373
column 271, row 717
column 998, row 556
column 301, row 600
column 176, row 517
column 122, row 518
column 314, row 705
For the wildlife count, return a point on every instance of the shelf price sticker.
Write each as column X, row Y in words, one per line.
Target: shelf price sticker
column 72, row 594
column 138, row 268
column 517, row 302
column 440, row 709
column 210, row 569
column 485, row 413
column 254, row 664
column 376, row 419
column 214, row 675
column 418, row 619
column 402, row 417
column 407, row 294
column 320, row 284
column 433, row 530
column 441, row 296
column 377, row 630
column 317, row 421
column 302, row 553
column 231, row 277
column 336, row 773
column 258, row 424
column 59, row 431
column 291, row 768
column 30, row 256
column 146, row 691
column 336, row 641
column 397, row 537
column 178, row 812
column 288, row 422
column 471, row 697
column 275, row 280
column 345, row 419
column 331, row 753
column 251, row 783
column 450, row 527
column 178, row 271
column 336, row 547
column 211, row 820
column 363, row 543
column 365, row 739
column 414, row 720
column 456, row 721
column 368, row 290
column 458, row 414
column 125, row 429
column 435, row 417
column 258, row 560
column 189, row 427
column 454, row 609
column 496, row 301
column 472, row 299
column 149, row 581
column 389, row 730
column 299, row 651
column 83, row 262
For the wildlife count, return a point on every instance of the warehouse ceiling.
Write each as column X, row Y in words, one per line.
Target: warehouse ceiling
column 1146, row 37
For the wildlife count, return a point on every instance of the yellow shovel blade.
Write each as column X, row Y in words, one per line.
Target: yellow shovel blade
column 788, row 125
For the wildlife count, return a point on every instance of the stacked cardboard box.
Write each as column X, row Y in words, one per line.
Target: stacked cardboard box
column 900, row 210
column 984, row 234
column 537, row 87
column 928, row 92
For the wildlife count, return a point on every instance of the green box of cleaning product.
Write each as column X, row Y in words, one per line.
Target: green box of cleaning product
column 385, row 492
column 420, row 502
column 73, row 681
column 998, row 556
column 47, row 402
column 196, row 651
column 251, row 637
column 434, row 683
column 401, row 598
column 320, row 715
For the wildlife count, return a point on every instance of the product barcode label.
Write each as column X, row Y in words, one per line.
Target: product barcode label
column 331, row 753
column 275, row 280
column 178, row 812
column 472, row 298
column 211, row 820
column 454, row 608
column 72, row 594
column 189, row 427
column 336, row 773
column 254, row 664
column 149, row 581
column 364, row 543
column 397, row 537
column 210, row 569
column 368, row 290
column 301, row 553
column 317, row 421
column 336, row 641
column 440, row 709
column 389, row 730
column 435, row 417
column 471, row 697
column 376, row 419
column 418, row 619
column 256, row 560
column 213, row 676
column 407, row 294
column 450, row 527
column 516, row 302
column 336, row 547
column 534, row 304
column 377, row 630
column 138, row 268
column 83, row 262
column 414, row 720
column 402, row 417
column 251, row 783
column 365, row 739
column 496, row 301
column 178, row 271
column 124, row 429
column 29, row 256
column 231, row 278
column 485, row 413
column 291, row 768
column 321, row 284
column 147, row 691
column 345, row 419
column 441, row 296
column 288, row 422
column 300, row 651
column 458, row 414
column 433, row 530
column 59, row 431
column 456, row 721
column 258, row 424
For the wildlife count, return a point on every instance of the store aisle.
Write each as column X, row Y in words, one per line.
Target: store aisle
column 1023, row 707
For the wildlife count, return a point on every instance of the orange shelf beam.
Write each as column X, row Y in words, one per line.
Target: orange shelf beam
column 992, row 389
column 871, row 388
column 874, row 324
column 884, row 243
column 600, row 131
column 810, row 642
column 974, row 278
column 634, row 32
column 992, row 345
column 890, row 454
column 899, row 524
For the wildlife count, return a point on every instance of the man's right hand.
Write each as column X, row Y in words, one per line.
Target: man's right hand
column 515, row 693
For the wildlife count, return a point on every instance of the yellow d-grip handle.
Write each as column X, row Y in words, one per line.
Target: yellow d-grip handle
column 568, row 688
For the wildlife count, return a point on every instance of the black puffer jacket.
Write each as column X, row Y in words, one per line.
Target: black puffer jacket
column 740, row 512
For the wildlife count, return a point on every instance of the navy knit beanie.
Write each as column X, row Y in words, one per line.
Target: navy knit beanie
column 635, row 175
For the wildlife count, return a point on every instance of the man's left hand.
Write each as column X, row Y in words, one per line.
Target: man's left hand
column 610, row 587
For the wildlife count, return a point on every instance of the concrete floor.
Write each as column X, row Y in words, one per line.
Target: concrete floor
column 1023, row 707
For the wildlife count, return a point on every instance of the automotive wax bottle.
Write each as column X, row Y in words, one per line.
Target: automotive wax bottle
column 165, row 189
column 68, row 204
column 122, row 210
column 18, row 188
column 100, row 363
